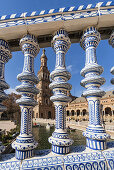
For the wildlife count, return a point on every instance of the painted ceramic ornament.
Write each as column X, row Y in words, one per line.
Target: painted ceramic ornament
column 95, row 134
column 111, row 42
column 60, row 140
column 25, row 144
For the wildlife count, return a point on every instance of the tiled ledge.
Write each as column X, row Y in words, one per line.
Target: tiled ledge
column 43, row 24
column 80, row 158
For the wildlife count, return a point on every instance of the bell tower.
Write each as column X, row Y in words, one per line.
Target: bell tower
column 45, row 108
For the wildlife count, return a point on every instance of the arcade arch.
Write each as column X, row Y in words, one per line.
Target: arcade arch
column 78, row 112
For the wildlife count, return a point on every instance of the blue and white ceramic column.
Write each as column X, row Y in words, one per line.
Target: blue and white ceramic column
column 111, row 42
column 95, row 133
column 60, row 140
column 5, row 55
column 25, row 144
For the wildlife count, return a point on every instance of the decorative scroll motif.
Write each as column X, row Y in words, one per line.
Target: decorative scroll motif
column 94, row 107
column 95, row 133
column 111, row 42
column 10, row 165
column 60, row 140
column 25, row 144
column 60, row 111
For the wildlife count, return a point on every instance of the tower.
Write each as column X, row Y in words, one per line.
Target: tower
column 45, row 108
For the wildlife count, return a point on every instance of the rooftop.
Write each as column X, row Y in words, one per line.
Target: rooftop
column 83, row 99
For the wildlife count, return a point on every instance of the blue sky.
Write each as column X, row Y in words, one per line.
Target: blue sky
column 75, row 57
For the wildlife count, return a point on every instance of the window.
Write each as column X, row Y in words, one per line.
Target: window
column 67, row 112
column 47, row 101
column 72, row 112
column 36, row 115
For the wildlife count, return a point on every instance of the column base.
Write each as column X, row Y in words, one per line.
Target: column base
column 24, row 147
column 60, row 142
column 60, row 149
column 20, row 155
column 96, row 144
column 96, row 137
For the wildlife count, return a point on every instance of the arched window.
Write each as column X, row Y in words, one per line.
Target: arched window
column 78, row 112
column 72, row 112
column 36, row 115
column 41, row 115
column 49, row 115
column 108, row 111
column 67, row 112
column 84, row 112
column 47, row 101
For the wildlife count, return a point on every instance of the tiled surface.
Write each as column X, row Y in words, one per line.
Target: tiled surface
column 44, row 163
column 92, row 160
column 109, row 156
column 82, row 160
column 21, row 19
column 59, row 10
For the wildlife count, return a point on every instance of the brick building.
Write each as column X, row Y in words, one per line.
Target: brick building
column 45, row 108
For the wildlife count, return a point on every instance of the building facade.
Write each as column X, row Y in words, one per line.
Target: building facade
column 45, row 108
column 78, row 108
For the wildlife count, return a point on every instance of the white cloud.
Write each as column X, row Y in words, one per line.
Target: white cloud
column 11, row 90
column 69, row 67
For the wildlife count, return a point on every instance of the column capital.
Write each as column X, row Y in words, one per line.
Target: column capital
column 29, row 45
column 90, row 38
column 61, row 41
column 111, row 39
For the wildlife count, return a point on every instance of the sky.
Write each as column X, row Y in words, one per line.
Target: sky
column 75, row 57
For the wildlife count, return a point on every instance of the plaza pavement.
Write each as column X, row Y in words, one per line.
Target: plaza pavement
column 8, row 125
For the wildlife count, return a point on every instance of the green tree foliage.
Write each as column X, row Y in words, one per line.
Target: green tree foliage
column 13, row 111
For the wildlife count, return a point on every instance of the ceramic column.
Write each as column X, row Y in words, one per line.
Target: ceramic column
column 112, row 115
column 95, row 133
column 60, row 140
column 25, row 144
column 111, row 42
column 5, row 55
